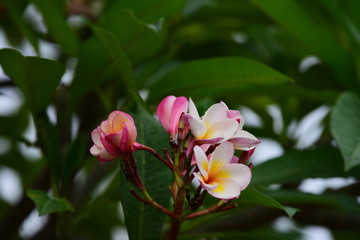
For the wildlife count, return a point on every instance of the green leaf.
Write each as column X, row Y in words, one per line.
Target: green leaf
column 259, row 234
column 36, row 77
column 345, row 127
column 297, row 165
column 73, row 157
column 137, row 40
column 119, row 60
column 46, row 205
column 212, row 74
column 336, row 200
column 253, row 196
column 142, row 221
column 53, row 13
column 16, row 14
column 300, row 24
column 148, row 11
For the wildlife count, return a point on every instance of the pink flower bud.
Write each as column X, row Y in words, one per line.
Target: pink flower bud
column 114, row 137
column 169, row 112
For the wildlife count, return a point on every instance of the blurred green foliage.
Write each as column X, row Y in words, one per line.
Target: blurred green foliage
column 245, row 53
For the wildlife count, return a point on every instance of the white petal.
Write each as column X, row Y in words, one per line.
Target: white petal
column 192, row 110
column 226, row 128
column 220, row 157
column 201, row 161
column 240, row 173
column 226, row 189
column 215, row 113
column 197, row 127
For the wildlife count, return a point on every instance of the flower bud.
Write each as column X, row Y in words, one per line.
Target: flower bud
column 169, row 112
column 114, row 137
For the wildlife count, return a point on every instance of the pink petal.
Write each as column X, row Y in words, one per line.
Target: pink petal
column 113, row 150
column 226, row 189
column 201, row 161
column 245, row 155
column 164, row 112
column 215, row 113
column 180, row 106
column 209, row 141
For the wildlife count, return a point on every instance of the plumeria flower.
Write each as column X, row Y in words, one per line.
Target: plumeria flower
column 221, row 178
column 169, row 112
column 114, row 137
column 217, row 125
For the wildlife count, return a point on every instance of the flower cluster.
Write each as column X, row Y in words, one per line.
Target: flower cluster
column 202, row 151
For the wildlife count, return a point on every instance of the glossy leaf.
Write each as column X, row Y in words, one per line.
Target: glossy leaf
column 16, row 15
column 138, row 40
column 148, row 11
column 253, row 196
column 53, row 13
column 211, row 74
column 119, row 60
column 135, row 39
column 297, row 165
column 36, row 77
column 142, row 221
column 46, row 205
column 303, row 26
column 345, row 126
column 336, row 200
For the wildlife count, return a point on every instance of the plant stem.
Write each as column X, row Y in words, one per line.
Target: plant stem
column 174, row 230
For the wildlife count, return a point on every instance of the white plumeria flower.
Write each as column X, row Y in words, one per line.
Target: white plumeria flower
column 215, row 126
column 221, row 178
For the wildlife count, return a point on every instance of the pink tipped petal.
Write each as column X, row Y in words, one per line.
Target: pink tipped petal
column 113, row 150
column 180, row 106
column 105, row 156
column 198, row 128
column 234, row 159
column 244, row 144
column 209, row 141
column 95, row 150
column 240, row 173
column 192, row 110
column 215, row 113
column 105, row 127
column 95, row 136
column 201, row 161
column 114, row 138
column 223, row 153
column 245, row 155
column 205, row 185
column 125, row 143
column 227, row 128
column 226, row 189
column 163, row 111
column 234, row 114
